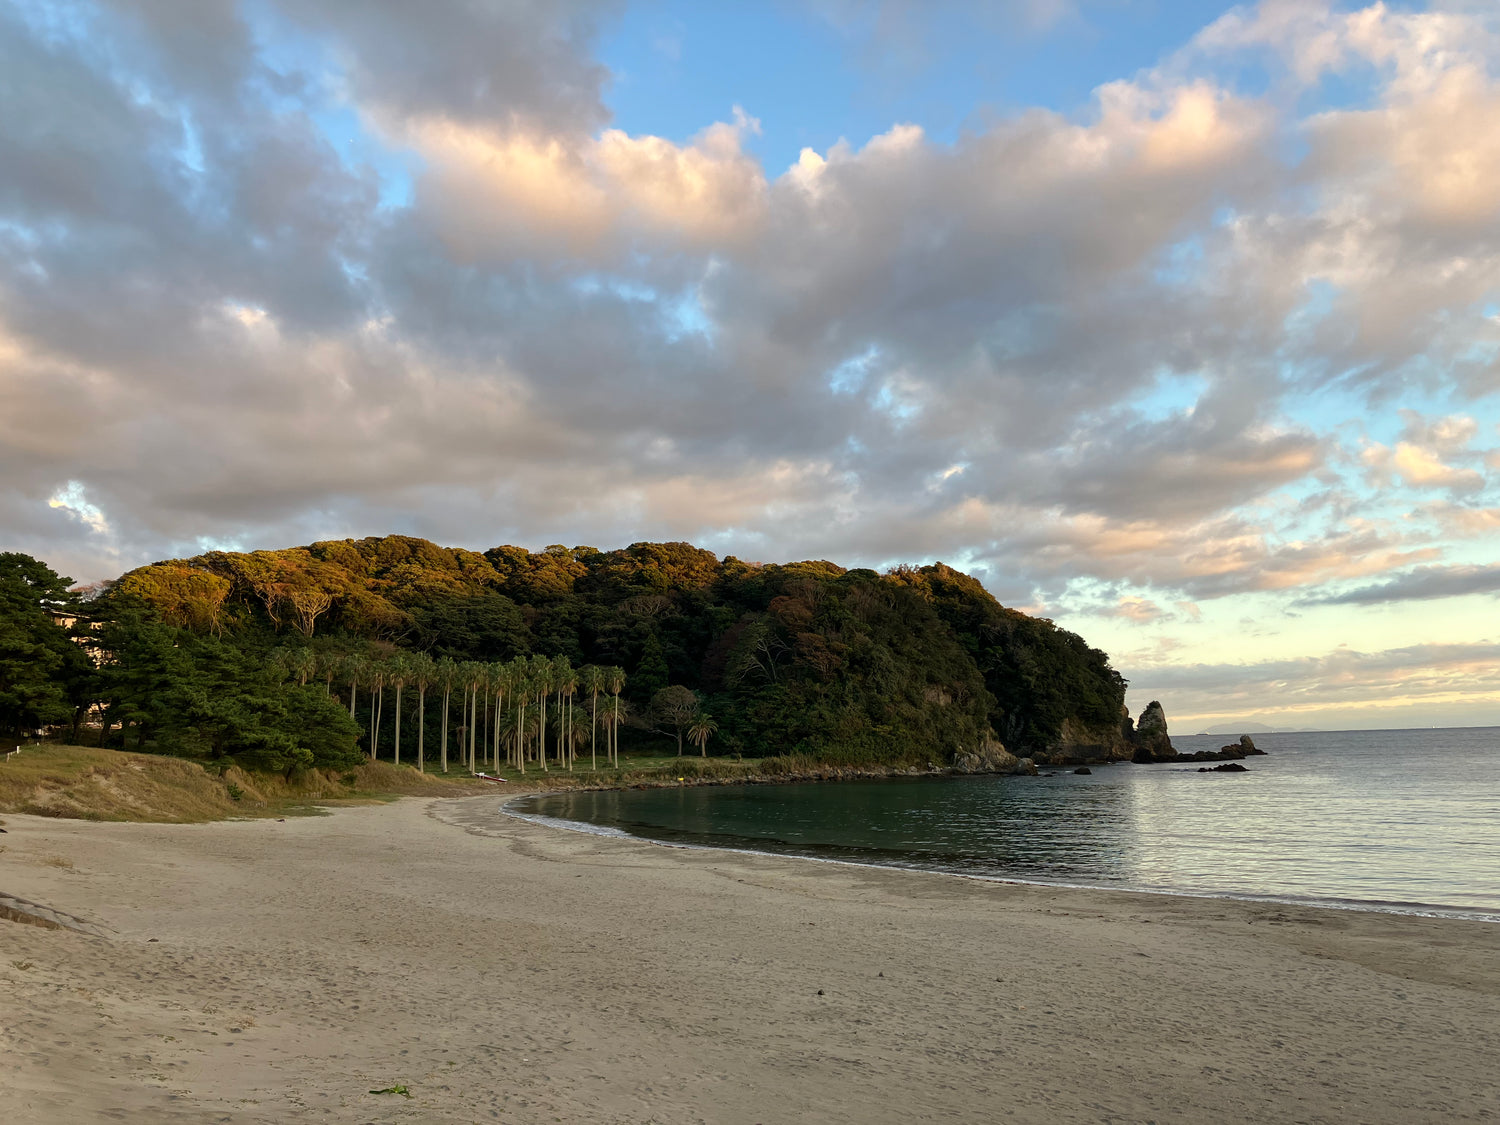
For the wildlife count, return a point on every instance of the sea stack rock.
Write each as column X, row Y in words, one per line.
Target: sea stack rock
column 1152, row 743
column 1248, row 746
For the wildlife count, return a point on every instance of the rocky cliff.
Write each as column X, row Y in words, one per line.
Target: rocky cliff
column 1150, row 740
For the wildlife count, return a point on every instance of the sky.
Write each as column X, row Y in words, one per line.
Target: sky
column 1175, row 322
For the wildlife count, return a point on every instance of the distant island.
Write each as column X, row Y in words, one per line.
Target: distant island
column 326, row 654
column 1253, row 728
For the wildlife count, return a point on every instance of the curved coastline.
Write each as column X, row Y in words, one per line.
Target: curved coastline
column 1403, row 909
column 505, row 969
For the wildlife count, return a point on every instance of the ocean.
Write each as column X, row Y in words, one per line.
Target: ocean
column 1399, row 820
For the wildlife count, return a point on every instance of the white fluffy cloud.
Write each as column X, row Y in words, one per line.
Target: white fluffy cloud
column 216, row 326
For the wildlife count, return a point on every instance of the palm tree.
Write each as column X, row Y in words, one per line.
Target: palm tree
column 473, row 673
column 541, row 683
column 444, row 676
column 498, row 684
column 304, row 665
column 283, row 663
column 520, row 687
column 574, row 737
column 400, row 675
column 329, row 663
column 377, row 673
column 565, row 683
column 591, row 679
column 509, row 728
column 610, row 719
column 423, row 676
column 700, row 730
column 614, row 682
column 354, row 669
column 467, row 726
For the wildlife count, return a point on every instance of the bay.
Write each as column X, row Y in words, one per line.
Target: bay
column 1405, row 820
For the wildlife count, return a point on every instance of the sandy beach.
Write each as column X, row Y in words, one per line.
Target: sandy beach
column 265, row 971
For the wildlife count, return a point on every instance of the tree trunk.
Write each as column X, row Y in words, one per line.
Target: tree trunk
column 375, row 724
column 421, row 722
column 399, row 694
column 353, row 695
column 541, row 738
column 521, row 734
column 447, row 691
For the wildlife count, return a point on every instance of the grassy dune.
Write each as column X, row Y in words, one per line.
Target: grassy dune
column 84, row 782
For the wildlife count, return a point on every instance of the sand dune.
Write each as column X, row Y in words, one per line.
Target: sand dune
column 505, row 971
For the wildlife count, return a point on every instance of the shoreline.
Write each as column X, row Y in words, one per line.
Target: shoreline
column 498, row 967
column 1361, row 906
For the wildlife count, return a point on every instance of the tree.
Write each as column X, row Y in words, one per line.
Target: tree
column 378, row 674
column 143, row 672
column 614, row 683
column 399, row 672
column 541, row 682
column 446, row 677
column 41, row 669
column 500, row 684
column 676, row 707
column 591, row 679
column 700, row 730
column 199, row 695
column 330, row 662
column 650, row 675
column 610, row 719
column 520, row 687
column 423, row 674
column 355, row 666
column 565, row 683
column 304, row 665
column 473, row 675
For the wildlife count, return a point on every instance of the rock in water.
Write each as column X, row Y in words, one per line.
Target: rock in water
column 1152, row 743
column 1248, row 746
column 1083, row 769
column 991, row 757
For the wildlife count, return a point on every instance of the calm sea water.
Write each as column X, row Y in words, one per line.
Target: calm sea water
column 1403, row 819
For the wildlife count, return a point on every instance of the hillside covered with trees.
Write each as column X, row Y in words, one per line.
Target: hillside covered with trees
column 398, row 648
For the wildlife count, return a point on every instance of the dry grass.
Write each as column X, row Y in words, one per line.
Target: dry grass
column 83, row 782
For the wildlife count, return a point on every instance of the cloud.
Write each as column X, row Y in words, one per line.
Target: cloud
column 1420, row 584
column 500, row 195
column 219, row 321
column 1141, row 611
column 1422, row 458
column 1334, row 687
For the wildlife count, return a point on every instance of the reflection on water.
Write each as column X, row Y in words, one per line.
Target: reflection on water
column 1394, row 817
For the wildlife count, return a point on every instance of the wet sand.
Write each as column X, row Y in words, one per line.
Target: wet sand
column 508, row 971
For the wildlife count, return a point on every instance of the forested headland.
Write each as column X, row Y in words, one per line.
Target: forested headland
column 395, row 648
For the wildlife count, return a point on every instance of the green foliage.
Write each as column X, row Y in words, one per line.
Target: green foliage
column 282, row 659
column 650, row 675
column 1039, row 675
column 201, row 695
column 41, row 670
